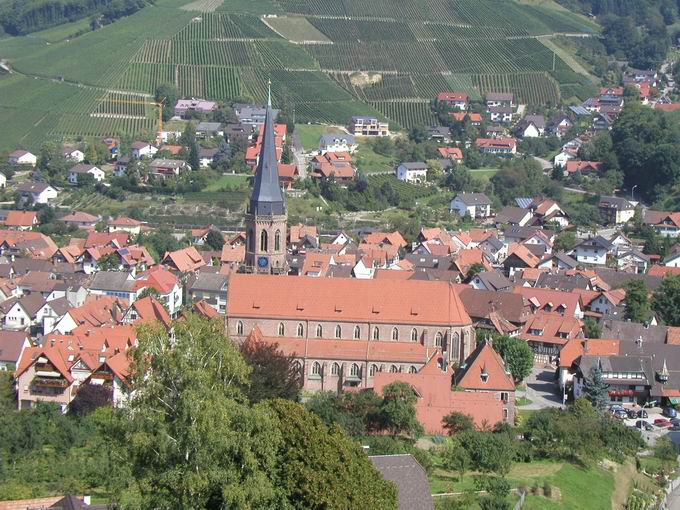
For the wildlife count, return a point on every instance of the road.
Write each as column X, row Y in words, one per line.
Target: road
column 541, row 389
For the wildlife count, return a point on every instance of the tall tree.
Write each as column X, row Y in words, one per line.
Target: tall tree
column 517, row 355
column 169, row 94
column 398, row 412
column 273, row 373
column 637, row 301
column 596, row 390
column 666, row 300
column 456, row 422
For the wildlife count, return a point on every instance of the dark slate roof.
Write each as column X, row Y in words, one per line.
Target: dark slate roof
column 479, row 303
column 113, row 281
column 267, row 198
column 598, row 242
column 409, row 477
column 618, row 203
column 618, row 279
column 494, row 280
column 561, row 281
column 427, row 260
column 474, row 198
column 211, row 282
column 510, row 214
column 561, row 256
column 631, row 332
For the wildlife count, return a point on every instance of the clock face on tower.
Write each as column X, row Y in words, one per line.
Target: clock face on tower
column 262, row 262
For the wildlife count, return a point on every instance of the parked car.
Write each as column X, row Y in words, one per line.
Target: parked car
column 620, row 413
column 662, row 422
column 632, row 414
column 643, row 425
column 670, row 412
column 616, row 407
column 642, row 414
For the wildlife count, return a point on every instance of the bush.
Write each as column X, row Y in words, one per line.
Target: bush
column 547, row 489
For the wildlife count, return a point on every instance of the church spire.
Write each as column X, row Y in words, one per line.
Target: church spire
column 269, row 95
column 267, row 198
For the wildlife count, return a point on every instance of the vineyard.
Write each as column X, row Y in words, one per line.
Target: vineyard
column 314, row 51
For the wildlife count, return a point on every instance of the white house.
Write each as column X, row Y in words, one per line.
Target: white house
column 337, row 143
column 412, row 172
column 562, row 158
column 501, row 114
column 84, row 169
column 477, row 205
column 3, row 181
column 74, row 154
column 593, row 251
column 143, row 150
column 632, row 260
column 672, row 260
column 38, row 192
column 21, row 157
column 531, row 126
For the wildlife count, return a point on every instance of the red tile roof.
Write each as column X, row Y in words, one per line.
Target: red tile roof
column 124, row 221
column 117, row 239
column 159, row 278
column 205, row 310
column 374, row 301
column 663, row 271
column 185, row 260
column 394, row 238
column 149, row 309
column 539, row 298
column 575, row 348
column 452, row 96
column 485, row 361
column 21, row 219
column 584, row 166
column 451, row 152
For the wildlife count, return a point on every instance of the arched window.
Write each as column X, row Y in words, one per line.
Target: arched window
column 335, row 369
column 316, row 368
column 300, row 330
column 376, row 333
column 357, row 332
column 264, row 241
column 395, row 334
column 251, row 239
column 239, row 328
column 282, row 329
column 439, row 339
column 372, row 370
column 277, row 240
column 414, row 335
column 394, row 369
column 412, row 370
column 456, row 345
column 319, row 330
column 338, row 331
column 297, row 367
column 354, row 371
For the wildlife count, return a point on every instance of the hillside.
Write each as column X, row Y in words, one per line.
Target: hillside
column 313, row 50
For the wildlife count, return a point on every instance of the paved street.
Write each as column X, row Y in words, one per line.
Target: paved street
column 541, row 389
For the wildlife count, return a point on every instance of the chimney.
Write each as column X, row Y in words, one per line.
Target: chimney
column 585, row 346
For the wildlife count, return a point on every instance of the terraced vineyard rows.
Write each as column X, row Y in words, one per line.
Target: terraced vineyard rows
column 407, row 114
column 530, row 88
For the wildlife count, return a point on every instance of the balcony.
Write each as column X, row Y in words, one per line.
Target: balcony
column 49, row 382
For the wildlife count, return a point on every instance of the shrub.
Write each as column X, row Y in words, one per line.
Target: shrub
column 547, row 489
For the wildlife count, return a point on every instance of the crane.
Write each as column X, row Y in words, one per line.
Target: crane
column 160, row 104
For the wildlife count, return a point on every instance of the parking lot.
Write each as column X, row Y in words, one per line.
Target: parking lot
column 653, row 413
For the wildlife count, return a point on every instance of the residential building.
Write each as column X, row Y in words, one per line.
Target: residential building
column 184, row 106
column 593, row 250
column 616, row 210
column 500, row 146
column 167, row 168
column 113, row 283
column 166, row 284
column 582, row 168
column 187, row 260
column 338, row 142
column 142, row 150
column 404, row 471
column 73, row 154
column 368, row 126
column 22, row 157
column 563, row 158
column 560, row 125
column 476, row 205
column 12, row 344
column 512, row 215
column 211, row 288
column 547, row 333
column 413, row 172
column 251, row 114
column 125, row 224
column 531, row 126
column 21, row 220
column 454, row 100
column 208, row 130
column 496, row 99
column 36, row 192
column 82, row 220
column 85, row 169
column 501, row 114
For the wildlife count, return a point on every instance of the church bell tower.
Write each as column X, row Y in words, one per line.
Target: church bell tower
column 267, row 214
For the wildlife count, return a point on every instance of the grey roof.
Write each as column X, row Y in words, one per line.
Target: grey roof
column 500, row 96
column 636, row 253
column 167, row 163
column 479, row 303
column 60, row 305
column 209, row 126
column 330, row 138
column 493, row 242
column 211, row 282
column 112, row 281
column 11, row 344
column 618, row 279
column 617, row 364
column 474, row 198
column 562, row 257
column 21, row 266
column 501, row 109
column 267, row 198
column 537, row 120
column 630, row 332
column 31, row 303
column 579, row 110
column 33, row 187
column 494, row 280
column 598, row 242
column 522, row 233
column 563, row 282
column 510, row 214
column 618, row 203
column 409, row 477
column 414, row 165
column 428, row 260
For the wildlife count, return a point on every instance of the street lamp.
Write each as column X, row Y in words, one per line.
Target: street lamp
column 632, row 193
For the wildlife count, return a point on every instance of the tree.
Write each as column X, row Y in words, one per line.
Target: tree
column 458, row 422
column 398, row 412
column 592, row 328
column 273, row 374
column 517, row 355
column 194, row 159
column 169, row 94
column 321, row 468
column 474, row 270
column 565, row 241
column 456, row 458
column 215, row 239
column 596, row 390
column 489, row 452
column 666, row 300
column 637, row 301
column 89, row 398
column 286, row 154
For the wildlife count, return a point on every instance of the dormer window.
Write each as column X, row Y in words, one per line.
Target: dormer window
column 484, row 376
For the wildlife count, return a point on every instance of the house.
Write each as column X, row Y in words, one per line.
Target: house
column 633, row 260
column 125, row 224
column 12, row 344
column 616, row 210
column 560, row 125
column 82, row 220
column 113, row 283
column 501, row 146
column 21, row 220
column 289, row 174
column 476, row 205
column 186, row 260
column 502, row 114
column 142, row 150
column 335, row 165
column 664, row 223
column 583, row 168
column 512, row 215
column 491, row 280
column 548, row 211
column 453, row 153
column 167, row 168
column 519, row 257
column 566, row 304
column 210, row 288
column 531, row 126
column 440, row 134
column 206, row 156
column 85, row 169
column 485, row 372
column 547, row 333
column 166, row 284
column 404, row 471
column 628, row 378
column 557, row 260
column 208, row 130
column 337, row 143
column 496, row 99
column 184, row 106
column 147, row 310
column 563, row 158
column 414, row 172
column 593, row 250
column 251, row 114
column 454, row 100
column 368, row 126
column 73, row 154
column 20, row 314
column 573, row 350
column 96, row 311
column 36, row 192
column 22, row 157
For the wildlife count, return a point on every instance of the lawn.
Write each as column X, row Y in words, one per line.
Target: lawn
column 296, row 29
column 369, row 161
column 485, row 173
column 311, row 133
column 229, row 182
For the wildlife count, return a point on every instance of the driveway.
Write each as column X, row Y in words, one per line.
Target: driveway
column 541, row 389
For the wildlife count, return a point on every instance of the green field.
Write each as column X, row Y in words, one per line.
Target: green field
column 415, row 49
column 311, row 133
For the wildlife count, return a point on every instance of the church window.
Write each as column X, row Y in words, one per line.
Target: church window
column 357, row 332
column 335, row 369
column 439, row 339
column 300, row 330
column 354, row 371
column 316, row 368
column 338, row 331
column 277, row 240
column 264, row 241
column 239, row 328
column 282, row 329
column 414, row 335
column 319, row 331
column 376, row 333
column 395, row 334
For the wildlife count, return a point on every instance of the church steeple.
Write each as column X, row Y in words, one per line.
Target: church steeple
column 267, row 198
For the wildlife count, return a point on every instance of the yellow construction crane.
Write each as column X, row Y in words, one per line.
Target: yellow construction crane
column 159, row 105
